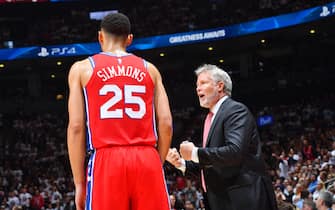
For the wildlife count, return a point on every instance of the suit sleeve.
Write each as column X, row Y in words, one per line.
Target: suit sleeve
column 192, row 169
column 238, row 127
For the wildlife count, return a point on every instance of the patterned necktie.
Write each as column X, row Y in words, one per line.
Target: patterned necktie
column 207, row 126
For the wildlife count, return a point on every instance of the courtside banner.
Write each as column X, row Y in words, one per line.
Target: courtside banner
column 168, row 40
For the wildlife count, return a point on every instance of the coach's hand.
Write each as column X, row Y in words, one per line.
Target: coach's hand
column 174, row 158
column 185, row 150
column 80, row 196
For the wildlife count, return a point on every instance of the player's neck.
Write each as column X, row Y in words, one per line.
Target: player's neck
column 115, row 48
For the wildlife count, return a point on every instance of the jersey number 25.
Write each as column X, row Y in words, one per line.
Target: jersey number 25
column 128, row 97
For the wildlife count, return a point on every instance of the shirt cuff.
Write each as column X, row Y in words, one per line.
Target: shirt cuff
column 195, row 157
column 183, row 166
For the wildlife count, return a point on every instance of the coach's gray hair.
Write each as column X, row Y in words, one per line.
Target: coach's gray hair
column 217, row 75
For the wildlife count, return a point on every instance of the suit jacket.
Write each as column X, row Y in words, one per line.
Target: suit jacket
column 233, row 168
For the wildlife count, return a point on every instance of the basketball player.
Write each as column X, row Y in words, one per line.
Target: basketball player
column 123, row 101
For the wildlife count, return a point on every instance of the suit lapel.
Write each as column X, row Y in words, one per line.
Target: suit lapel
column 214, row 123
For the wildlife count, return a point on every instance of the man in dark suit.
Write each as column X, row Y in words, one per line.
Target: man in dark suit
column 232, row 170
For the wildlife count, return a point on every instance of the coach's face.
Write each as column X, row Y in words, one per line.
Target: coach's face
column 209, row 91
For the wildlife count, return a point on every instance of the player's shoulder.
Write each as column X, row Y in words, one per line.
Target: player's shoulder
column 79, row 68
column 153, row 71
column 152, row 67
column 81, row 64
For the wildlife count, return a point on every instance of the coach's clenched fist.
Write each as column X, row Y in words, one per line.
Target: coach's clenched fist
column 186, row 149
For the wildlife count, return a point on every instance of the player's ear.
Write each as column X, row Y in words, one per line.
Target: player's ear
column 129, row 39
column 100, row 37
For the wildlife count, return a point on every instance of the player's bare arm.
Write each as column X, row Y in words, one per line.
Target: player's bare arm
column 76, row 132
column 163, row 113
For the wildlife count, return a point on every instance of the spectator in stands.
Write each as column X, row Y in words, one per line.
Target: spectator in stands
column 280, row 196
column 297, row 194
column 293, row 158
column 309, row 205
column 332, row 154
column 25, row 197
column 181, row 183
column 319, row 188
column 307, row 150
column 56, row 196
column 172, row 201
column 189, row 205
column 324, row 201
column 282, row 205
column 17, row 208
column 304, row 195
column 283, row 165
column 322, row 176
column 288, row 192
column 313, row 183
column 68, row 203
column 13, row 200
column 37, row 201
column 190, row 191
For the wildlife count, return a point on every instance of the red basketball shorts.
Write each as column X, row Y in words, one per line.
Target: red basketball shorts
column 126, row 178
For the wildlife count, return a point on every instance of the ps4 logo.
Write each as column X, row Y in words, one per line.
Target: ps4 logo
column 325, row 11
column 56, row 51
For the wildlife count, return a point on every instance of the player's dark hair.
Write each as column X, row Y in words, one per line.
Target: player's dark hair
column 116, row 24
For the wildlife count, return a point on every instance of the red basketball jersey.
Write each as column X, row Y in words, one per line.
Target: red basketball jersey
column 119, row 102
